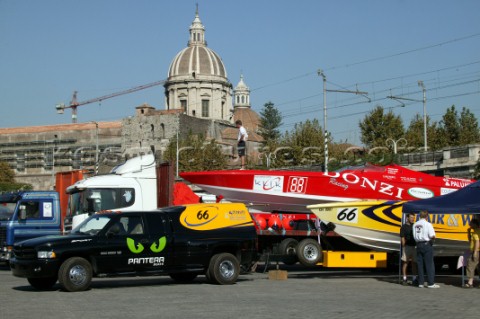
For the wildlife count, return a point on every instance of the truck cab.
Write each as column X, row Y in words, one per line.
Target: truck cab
column 25, row 215
column 130, row 186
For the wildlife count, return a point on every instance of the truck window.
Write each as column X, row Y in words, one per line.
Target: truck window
column 99, row 199
column 6, row 210
column 127, row 225
column 37, row 209
column 156, row 224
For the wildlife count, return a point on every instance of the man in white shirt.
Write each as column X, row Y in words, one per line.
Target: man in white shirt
column 424, row 235
column 241, row 145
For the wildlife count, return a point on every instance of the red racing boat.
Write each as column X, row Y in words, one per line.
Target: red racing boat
column 292, row 191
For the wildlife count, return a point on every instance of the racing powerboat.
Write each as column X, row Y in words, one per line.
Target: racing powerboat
column 376, row 225
column 294, row 190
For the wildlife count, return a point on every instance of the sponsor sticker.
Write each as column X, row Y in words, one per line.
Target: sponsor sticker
column 420, row 192
column 266, row 183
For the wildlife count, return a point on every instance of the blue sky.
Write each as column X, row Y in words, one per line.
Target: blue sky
column 50, row 48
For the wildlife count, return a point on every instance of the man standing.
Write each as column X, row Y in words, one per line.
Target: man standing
column 408, row 249
column 424, row 235
column 242, row 137
column 473, row 238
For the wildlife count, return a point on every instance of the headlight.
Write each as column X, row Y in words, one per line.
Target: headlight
column 46, row 255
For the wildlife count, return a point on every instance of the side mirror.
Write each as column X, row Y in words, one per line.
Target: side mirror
column 22, row 212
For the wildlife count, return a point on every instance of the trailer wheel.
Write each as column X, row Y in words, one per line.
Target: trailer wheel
column 42, row 283
column 288, row 248
column 309, row 252
column 183, row 277
column 75, row 274
column 223, row 269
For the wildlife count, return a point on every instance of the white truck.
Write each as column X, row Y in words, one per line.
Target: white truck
column 131, row 186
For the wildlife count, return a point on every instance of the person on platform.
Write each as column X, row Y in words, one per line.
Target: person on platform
column 241, row 142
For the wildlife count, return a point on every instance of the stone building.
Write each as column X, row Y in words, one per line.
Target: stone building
column 198, row 100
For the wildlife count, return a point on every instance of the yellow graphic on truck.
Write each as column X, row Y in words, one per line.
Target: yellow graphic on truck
column 215, row 216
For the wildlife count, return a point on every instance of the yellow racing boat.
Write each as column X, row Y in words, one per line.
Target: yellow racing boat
column 375, row 224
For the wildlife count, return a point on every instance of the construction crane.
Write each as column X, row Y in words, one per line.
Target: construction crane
column 74, row 104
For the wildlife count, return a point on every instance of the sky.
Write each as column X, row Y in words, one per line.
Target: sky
column 381, row 48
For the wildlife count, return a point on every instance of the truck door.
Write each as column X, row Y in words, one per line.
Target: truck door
column 160, row 247
column 124, row 245
column 37, row 217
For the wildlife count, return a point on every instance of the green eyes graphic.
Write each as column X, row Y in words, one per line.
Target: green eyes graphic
column 138, row 248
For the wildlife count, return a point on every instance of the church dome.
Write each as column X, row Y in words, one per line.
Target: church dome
column 197, row 60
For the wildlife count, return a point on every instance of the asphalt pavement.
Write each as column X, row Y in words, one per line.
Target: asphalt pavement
column 306, row 293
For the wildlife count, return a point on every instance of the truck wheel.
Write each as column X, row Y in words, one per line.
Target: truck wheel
column 224, row 269
column 183, row 277
column 288, row 248
column 75, row 274
column 309, row 252
column 42, row 283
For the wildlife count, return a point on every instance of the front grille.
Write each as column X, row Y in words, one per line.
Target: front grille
column 3, row 236
column 24, row 253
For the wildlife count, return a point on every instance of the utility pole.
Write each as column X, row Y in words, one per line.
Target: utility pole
column 325, row 132
column 96, row 146
column 424, row 100
column 357, row 92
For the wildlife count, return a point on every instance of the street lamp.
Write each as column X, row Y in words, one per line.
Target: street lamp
column 325, row 133
column 96, row 146
column 420, row 84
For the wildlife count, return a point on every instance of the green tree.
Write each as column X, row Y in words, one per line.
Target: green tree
column 469, row 132
column 302, row 146
column 6, row 173
column 7, row 179
column 449, row 131
column 196, row 154
column 378, row 126
column 415, row 132
column 270, row 121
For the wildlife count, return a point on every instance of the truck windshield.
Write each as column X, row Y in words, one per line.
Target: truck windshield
column 93, row 200
column 6, row 210
column 92, row 225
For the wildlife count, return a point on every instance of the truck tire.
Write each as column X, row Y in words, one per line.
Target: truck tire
column 42, row 283
column 75, row 274
column 183, row 277
column 288, row 248
column 224, row 269
column 309, row 252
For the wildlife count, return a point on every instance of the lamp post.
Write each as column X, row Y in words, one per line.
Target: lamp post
column 325, row 133
column 420, row 84
column 357, row 92
column 96, row 146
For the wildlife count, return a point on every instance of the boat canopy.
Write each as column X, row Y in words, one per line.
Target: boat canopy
column 463, row 201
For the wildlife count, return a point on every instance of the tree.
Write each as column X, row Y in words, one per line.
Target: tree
column 377, row 127
column 7, row 179
column 196, row 154
column 270, row 120
column 6, row 173
column 449, row 132
column 415, row 132
column 302, row 146
column 469, row 132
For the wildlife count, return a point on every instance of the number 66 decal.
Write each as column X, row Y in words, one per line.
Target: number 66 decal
column 348, row 215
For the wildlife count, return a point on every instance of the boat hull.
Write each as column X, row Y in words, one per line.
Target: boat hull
column 292, row 191
column 376, row 225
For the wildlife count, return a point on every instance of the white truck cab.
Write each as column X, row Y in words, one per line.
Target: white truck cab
column 130, row 186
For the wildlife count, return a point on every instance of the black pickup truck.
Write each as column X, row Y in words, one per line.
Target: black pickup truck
column 215, row 240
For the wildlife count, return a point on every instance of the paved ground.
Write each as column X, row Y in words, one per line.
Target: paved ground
column 307, row 293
